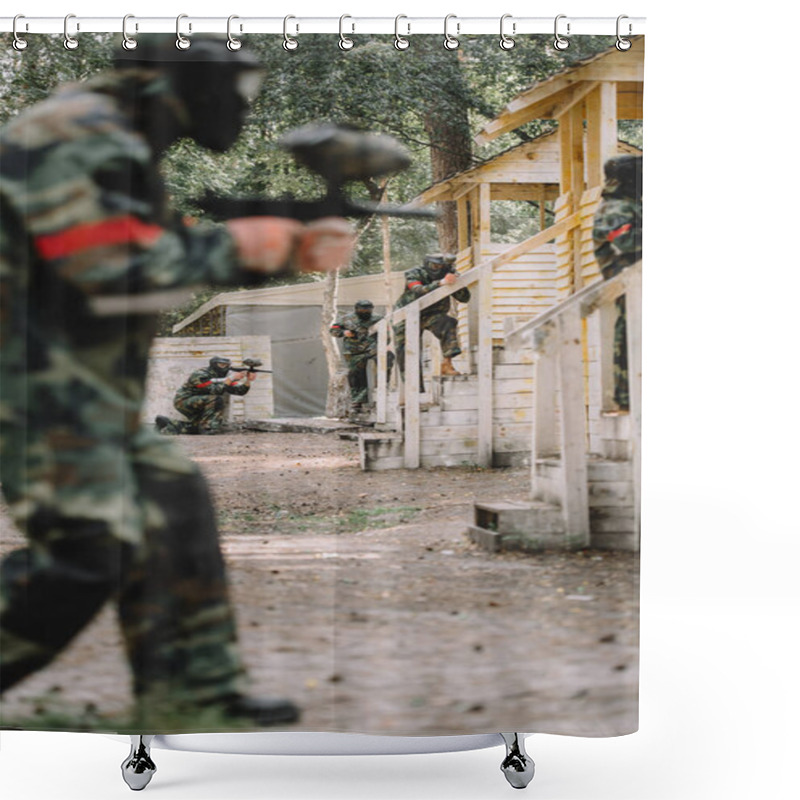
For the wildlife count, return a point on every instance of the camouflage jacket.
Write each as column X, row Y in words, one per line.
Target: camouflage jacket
column 418, row 282
column 206, row 381
column 363, row 342
column 90, row 253
column 617, row 233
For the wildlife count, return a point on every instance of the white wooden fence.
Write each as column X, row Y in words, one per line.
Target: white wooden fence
column 560, row 385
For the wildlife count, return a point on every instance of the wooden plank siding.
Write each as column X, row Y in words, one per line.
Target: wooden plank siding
column 522, row 288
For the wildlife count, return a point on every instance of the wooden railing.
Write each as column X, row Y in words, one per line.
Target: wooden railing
column 408, row 391
column 560, row 385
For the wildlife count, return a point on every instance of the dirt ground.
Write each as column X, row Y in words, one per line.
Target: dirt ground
column 359, row 596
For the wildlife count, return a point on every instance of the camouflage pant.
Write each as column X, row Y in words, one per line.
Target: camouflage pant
column 205, row 414
column 442, row 326
column 621, row 393
column 131, row 522
column 357, row 374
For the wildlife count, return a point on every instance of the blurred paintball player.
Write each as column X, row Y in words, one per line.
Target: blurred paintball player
column 90, row 253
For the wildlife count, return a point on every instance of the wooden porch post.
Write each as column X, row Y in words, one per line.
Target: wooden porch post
column 382, row 389
column 578, row 182
column 411, row 426
column 633, row 313
column 485, row 371
column 573, row 428
column 543, row 430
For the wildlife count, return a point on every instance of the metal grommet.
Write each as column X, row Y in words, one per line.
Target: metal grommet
column 400, row 42
column 506, row 41
column 70, row 42
column 233, row 44
column 450, row 41
column 128, row 42
column 622, row 43
column 181, row 42
column 19, row 43
column 345, row 43
column 560, row 43
column 289, row 43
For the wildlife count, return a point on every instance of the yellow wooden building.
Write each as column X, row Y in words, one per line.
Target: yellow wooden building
column 538, row 352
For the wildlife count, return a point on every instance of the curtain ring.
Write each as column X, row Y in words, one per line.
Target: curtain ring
column 345, row 43
column 128, row 42
column 233, row 44
column 289, row 43
column 400, row 42
column 450, row 41
column 181, row 42
column 560, row 43
column 506, row 41
column 19, row 43
column 623, row 44
column 70, row 42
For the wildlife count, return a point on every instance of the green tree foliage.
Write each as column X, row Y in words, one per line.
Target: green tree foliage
column 433, row 100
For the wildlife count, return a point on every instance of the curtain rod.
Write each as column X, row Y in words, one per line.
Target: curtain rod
column 351, row 25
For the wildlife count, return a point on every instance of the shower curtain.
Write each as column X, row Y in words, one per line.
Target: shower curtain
column 452, row 549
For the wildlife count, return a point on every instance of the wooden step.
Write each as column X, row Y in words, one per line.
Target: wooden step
column 517, row 525
column 380, row 451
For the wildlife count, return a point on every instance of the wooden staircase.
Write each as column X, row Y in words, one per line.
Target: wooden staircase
column 449, row 419
column 585, row 452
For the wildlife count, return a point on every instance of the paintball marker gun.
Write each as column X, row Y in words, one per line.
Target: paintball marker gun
column 339, row 155
column 249, row 365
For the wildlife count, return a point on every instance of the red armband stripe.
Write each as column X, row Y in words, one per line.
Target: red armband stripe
column 120, row 230
column 203, row 385
column 619, row 231
column 414, row 283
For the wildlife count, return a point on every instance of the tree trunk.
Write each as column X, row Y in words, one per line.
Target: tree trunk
column 447, row 125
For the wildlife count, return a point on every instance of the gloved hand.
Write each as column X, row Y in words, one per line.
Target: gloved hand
column 271, row 244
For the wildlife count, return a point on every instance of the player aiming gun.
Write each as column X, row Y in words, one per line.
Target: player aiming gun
column 249, row 365
column 340, row 155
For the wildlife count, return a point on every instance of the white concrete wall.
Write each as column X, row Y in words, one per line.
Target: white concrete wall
column 173, row 359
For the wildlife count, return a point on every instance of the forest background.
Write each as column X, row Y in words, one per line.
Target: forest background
column 432, row 100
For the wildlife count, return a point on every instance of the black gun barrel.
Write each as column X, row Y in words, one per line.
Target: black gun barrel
column 246, row 368
column 221, row 208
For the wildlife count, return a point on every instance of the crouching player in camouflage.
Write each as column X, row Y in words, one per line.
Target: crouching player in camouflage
column 203, row 398
column 437, row 270
column 90, row 253
column 359, row 347
column 617, row 234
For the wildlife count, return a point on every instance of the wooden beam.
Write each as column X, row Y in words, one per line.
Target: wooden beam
column 412, row 369
column 565, row 145
column 594, row 162
column 484, row 216
column 577, row 173
column 573, row 428
column 382, row 389
column 575, row 96
column 485, row 399
column 462, row 212
column 464, row 188
column 608, row 139
column 633, row 319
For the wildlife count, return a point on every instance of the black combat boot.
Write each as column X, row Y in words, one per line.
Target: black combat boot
column 262, row 711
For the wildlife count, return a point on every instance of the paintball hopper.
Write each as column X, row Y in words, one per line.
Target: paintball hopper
column 339, row 155
column 342, row 154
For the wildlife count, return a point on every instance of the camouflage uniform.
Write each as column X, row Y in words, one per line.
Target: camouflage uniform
column 358, row 350
column 617, row 234
column 203, row 400
column 436, row 318
column 89, row 254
